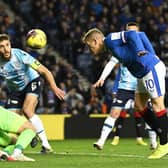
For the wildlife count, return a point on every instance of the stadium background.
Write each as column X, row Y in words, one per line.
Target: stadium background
column 64, row 21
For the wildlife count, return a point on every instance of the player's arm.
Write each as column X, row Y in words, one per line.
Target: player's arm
column 106, row 71
column 134, row 40
column 28, row 60
column 146, row 42
column 41, row 69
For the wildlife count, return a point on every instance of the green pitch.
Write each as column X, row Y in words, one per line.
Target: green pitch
column 80, row 154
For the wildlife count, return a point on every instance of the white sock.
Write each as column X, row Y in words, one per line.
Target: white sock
column 107, row 128
column 37, row 123
column 16, row 152
column 152, row 137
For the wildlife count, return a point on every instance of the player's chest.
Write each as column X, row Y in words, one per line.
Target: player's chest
column 11, row 69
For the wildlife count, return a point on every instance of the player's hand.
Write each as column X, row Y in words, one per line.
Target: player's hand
column 99, row 83
column 142, row 53
column 60, row 93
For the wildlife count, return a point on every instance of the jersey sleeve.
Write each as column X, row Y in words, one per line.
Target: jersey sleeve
column 115, row 42
column 132, row 38
column 114, row 39
column 146, row 42
column 29, row 60
column 109, row 67
column 36, row 64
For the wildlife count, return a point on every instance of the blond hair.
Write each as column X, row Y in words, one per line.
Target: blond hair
column 91, row 33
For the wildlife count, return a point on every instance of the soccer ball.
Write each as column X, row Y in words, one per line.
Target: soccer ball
column 36, row 39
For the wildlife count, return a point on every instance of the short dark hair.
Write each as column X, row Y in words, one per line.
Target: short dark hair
column 4, row 37
column 131, row 24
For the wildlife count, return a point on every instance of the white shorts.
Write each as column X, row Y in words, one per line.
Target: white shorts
column 154, row 82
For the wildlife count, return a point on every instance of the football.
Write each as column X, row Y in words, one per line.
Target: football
column 36, row 39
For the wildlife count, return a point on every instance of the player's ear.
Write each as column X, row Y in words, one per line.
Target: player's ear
column 94, row 41
column 91, row 41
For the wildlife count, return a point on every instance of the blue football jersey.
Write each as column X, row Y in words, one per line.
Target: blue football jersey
column 17, row 71
column 125, row 47
column 147, row 44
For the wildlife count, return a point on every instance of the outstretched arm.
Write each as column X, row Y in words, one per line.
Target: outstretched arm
column 106, row 71
column 50, row 79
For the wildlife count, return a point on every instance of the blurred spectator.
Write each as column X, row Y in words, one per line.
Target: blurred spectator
column 79, row 108
column 84, row 61
column 65, row 109
column 72, row 97
column 94, row 105
column 164, row 46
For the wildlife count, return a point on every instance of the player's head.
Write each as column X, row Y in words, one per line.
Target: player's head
column 132, row 26
column 5, row 46
column 94, row 40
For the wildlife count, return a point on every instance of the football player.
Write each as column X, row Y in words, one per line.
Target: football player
column 14, row 145
column 129, row 47
column 22, row 74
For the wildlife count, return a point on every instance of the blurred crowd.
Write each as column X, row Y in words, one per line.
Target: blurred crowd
column 64, row 22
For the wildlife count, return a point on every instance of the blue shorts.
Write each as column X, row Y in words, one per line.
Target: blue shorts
column 16, row 99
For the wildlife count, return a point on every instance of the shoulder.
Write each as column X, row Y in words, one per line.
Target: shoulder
column 16, row 50
column 141, row 33
column 19, row 52
column 113, row 36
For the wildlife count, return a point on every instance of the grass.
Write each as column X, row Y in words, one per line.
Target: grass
column 79, row 153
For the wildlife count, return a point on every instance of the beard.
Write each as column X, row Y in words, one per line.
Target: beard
column 5, row 57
